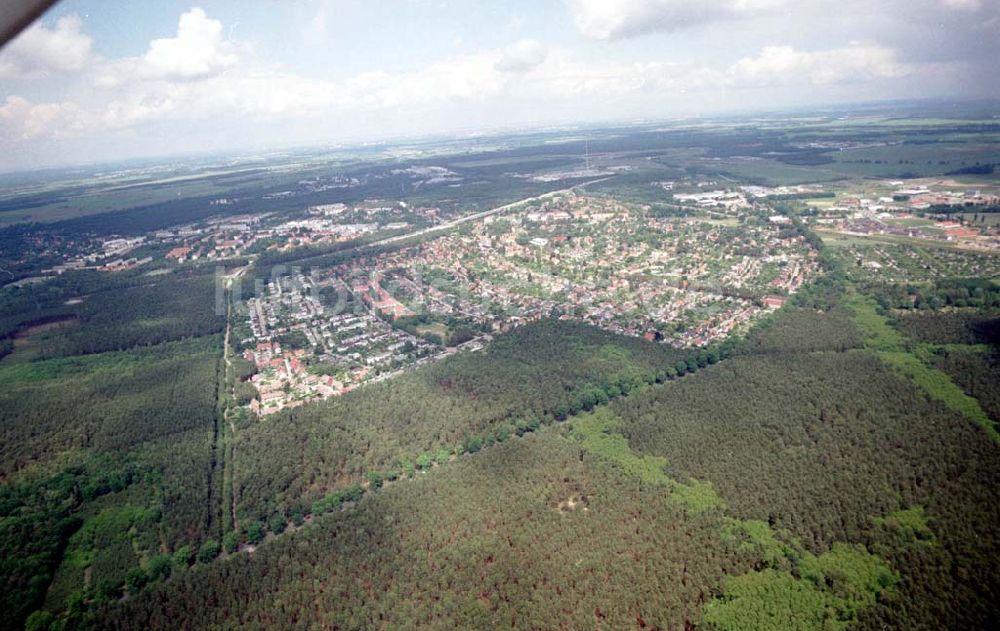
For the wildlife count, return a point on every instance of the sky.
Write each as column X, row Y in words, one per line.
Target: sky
column 101, row 80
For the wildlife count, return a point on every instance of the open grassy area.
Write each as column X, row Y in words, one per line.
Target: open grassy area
column 835, row 238
column 940, row 386
column 879, row 334
column 828, row 592
column 596, row 432
column 435, row 329
column 891, row 347
column 773, row 172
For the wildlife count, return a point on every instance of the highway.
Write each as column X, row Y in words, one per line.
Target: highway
column 444, row 227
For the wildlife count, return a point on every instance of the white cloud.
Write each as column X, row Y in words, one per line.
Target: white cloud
column 201, row 80
column 466, row 77
column 250, row 92
column 963, row 5
column 618, row 19
column 42, row 50
column 782, row 65
column 198, row 50
column 522, row 56
column 317, row 29
column 21, row 119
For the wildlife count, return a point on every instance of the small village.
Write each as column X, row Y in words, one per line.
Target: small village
column 683, row 281
column 676, row 280
column 686, row 278
column 221, row 239
column 303, row 349
column 316, row 226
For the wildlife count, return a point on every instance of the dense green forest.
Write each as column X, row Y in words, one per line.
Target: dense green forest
column 803, row 479
column 963, row 292
column 805, row 330
column 834, row 469
column 101, row 312
column 56, row 408
column 962, row 344
column 951, row 327
column 112, row 466
column 819, row 445
column 90, row 441
column 139, row 316
column 977, row 371
column 108, row 415
column 530, row 535
column 556, row 369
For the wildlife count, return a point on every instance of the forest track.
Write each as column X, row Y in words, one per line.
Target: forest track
column 228, row 508
column 221, row 506
column 210, row 501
